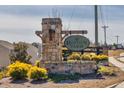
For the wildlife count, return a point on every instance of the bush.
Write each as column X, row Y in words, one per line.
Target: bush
column 20, row 53
column 70, row 61
column 102, row 57
column 61, row 77
column 85, row 57
column 105, row 71
column 1, row 75
column 37, row 73
column 74, row 56
column 94, row 57
column 37, row 63
column 18, row 70
column 88, row 56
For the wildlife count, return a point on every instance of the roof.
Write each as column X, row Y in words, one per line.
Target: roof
column 6, row 44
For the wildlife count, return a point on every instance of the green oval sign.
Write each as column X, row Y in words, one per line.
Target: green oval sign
column 76, row 42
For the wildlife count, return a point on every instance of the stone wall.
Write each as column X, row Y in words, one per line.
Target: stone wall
column 84, row 67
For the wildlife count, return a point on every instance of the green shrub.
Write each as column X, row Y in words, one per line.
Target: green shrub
column 37, row 73
column 20, row 53
column 106, row 71
column 18, row 70
column 61, row 77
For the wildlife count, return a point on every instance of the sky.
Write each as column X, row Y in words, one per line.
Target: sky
column 19, row 22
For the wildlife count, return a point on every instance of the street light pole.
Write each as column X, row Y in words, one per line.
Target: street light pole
column 105, row 41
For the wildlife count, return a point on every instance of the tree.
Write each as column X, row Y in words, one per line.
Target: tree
column 20, row 53
column 35, row 45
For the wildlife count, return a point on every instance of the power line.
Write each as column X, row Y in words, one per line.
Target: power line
column 71, row 18
column 82, row 21
column 102, row 16
column 106, row 14
column 104, row 25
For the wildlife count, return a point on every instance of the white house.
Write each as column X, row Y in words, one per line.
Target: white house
column 6, row 48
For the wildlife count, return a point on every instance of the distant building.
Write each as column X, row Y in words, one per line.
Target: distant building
column 116, row 46
column 33, row 51
column 6, row 48
column 39, row 47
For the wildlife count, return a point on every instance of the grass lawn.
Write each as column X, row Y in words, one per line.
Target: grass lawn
column 115, row 52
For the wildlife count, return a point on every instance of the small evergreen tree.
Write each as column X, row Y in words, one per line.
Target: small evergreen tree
column 20, row 53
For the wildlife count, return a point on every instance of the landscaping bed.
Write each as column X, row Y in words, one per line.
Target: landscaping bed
column 22, row 74
column 87, row 81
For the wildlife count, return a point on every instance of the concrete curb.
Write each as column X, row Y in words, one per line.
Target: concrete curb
column 112, row 86
column 119, row 59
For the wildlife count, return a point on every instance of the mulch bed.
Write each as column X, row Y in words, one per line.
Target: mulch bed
column 85, row 82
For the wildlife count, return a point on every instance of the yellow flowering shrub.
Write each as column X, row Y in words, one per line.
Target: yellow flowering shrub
column 70, row 61
column 1, row 75
column 100, row 57
column 37, row 73
column 85, row 57
column 64, row 48
column 18, row 70
column 94, row 57
column 106, row 71
column 103, row 57
column 74, row 56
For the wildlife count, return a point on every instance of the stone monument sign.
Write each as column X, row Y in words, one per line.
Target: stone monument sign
column 52, row 36
column 76, row 42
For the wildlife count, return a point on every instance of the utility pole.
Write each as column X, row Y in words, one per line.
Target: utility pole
column 96, row 25
column 104, row 28
column 117, row 37
column 96, row 28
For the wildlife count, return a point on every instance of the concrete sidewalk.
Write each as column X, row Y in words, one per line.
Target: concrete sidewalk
column 116, row 63
column 121, row 66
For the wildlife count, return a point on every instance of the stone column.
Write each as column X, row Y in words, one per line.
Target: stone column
column 51, row 39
